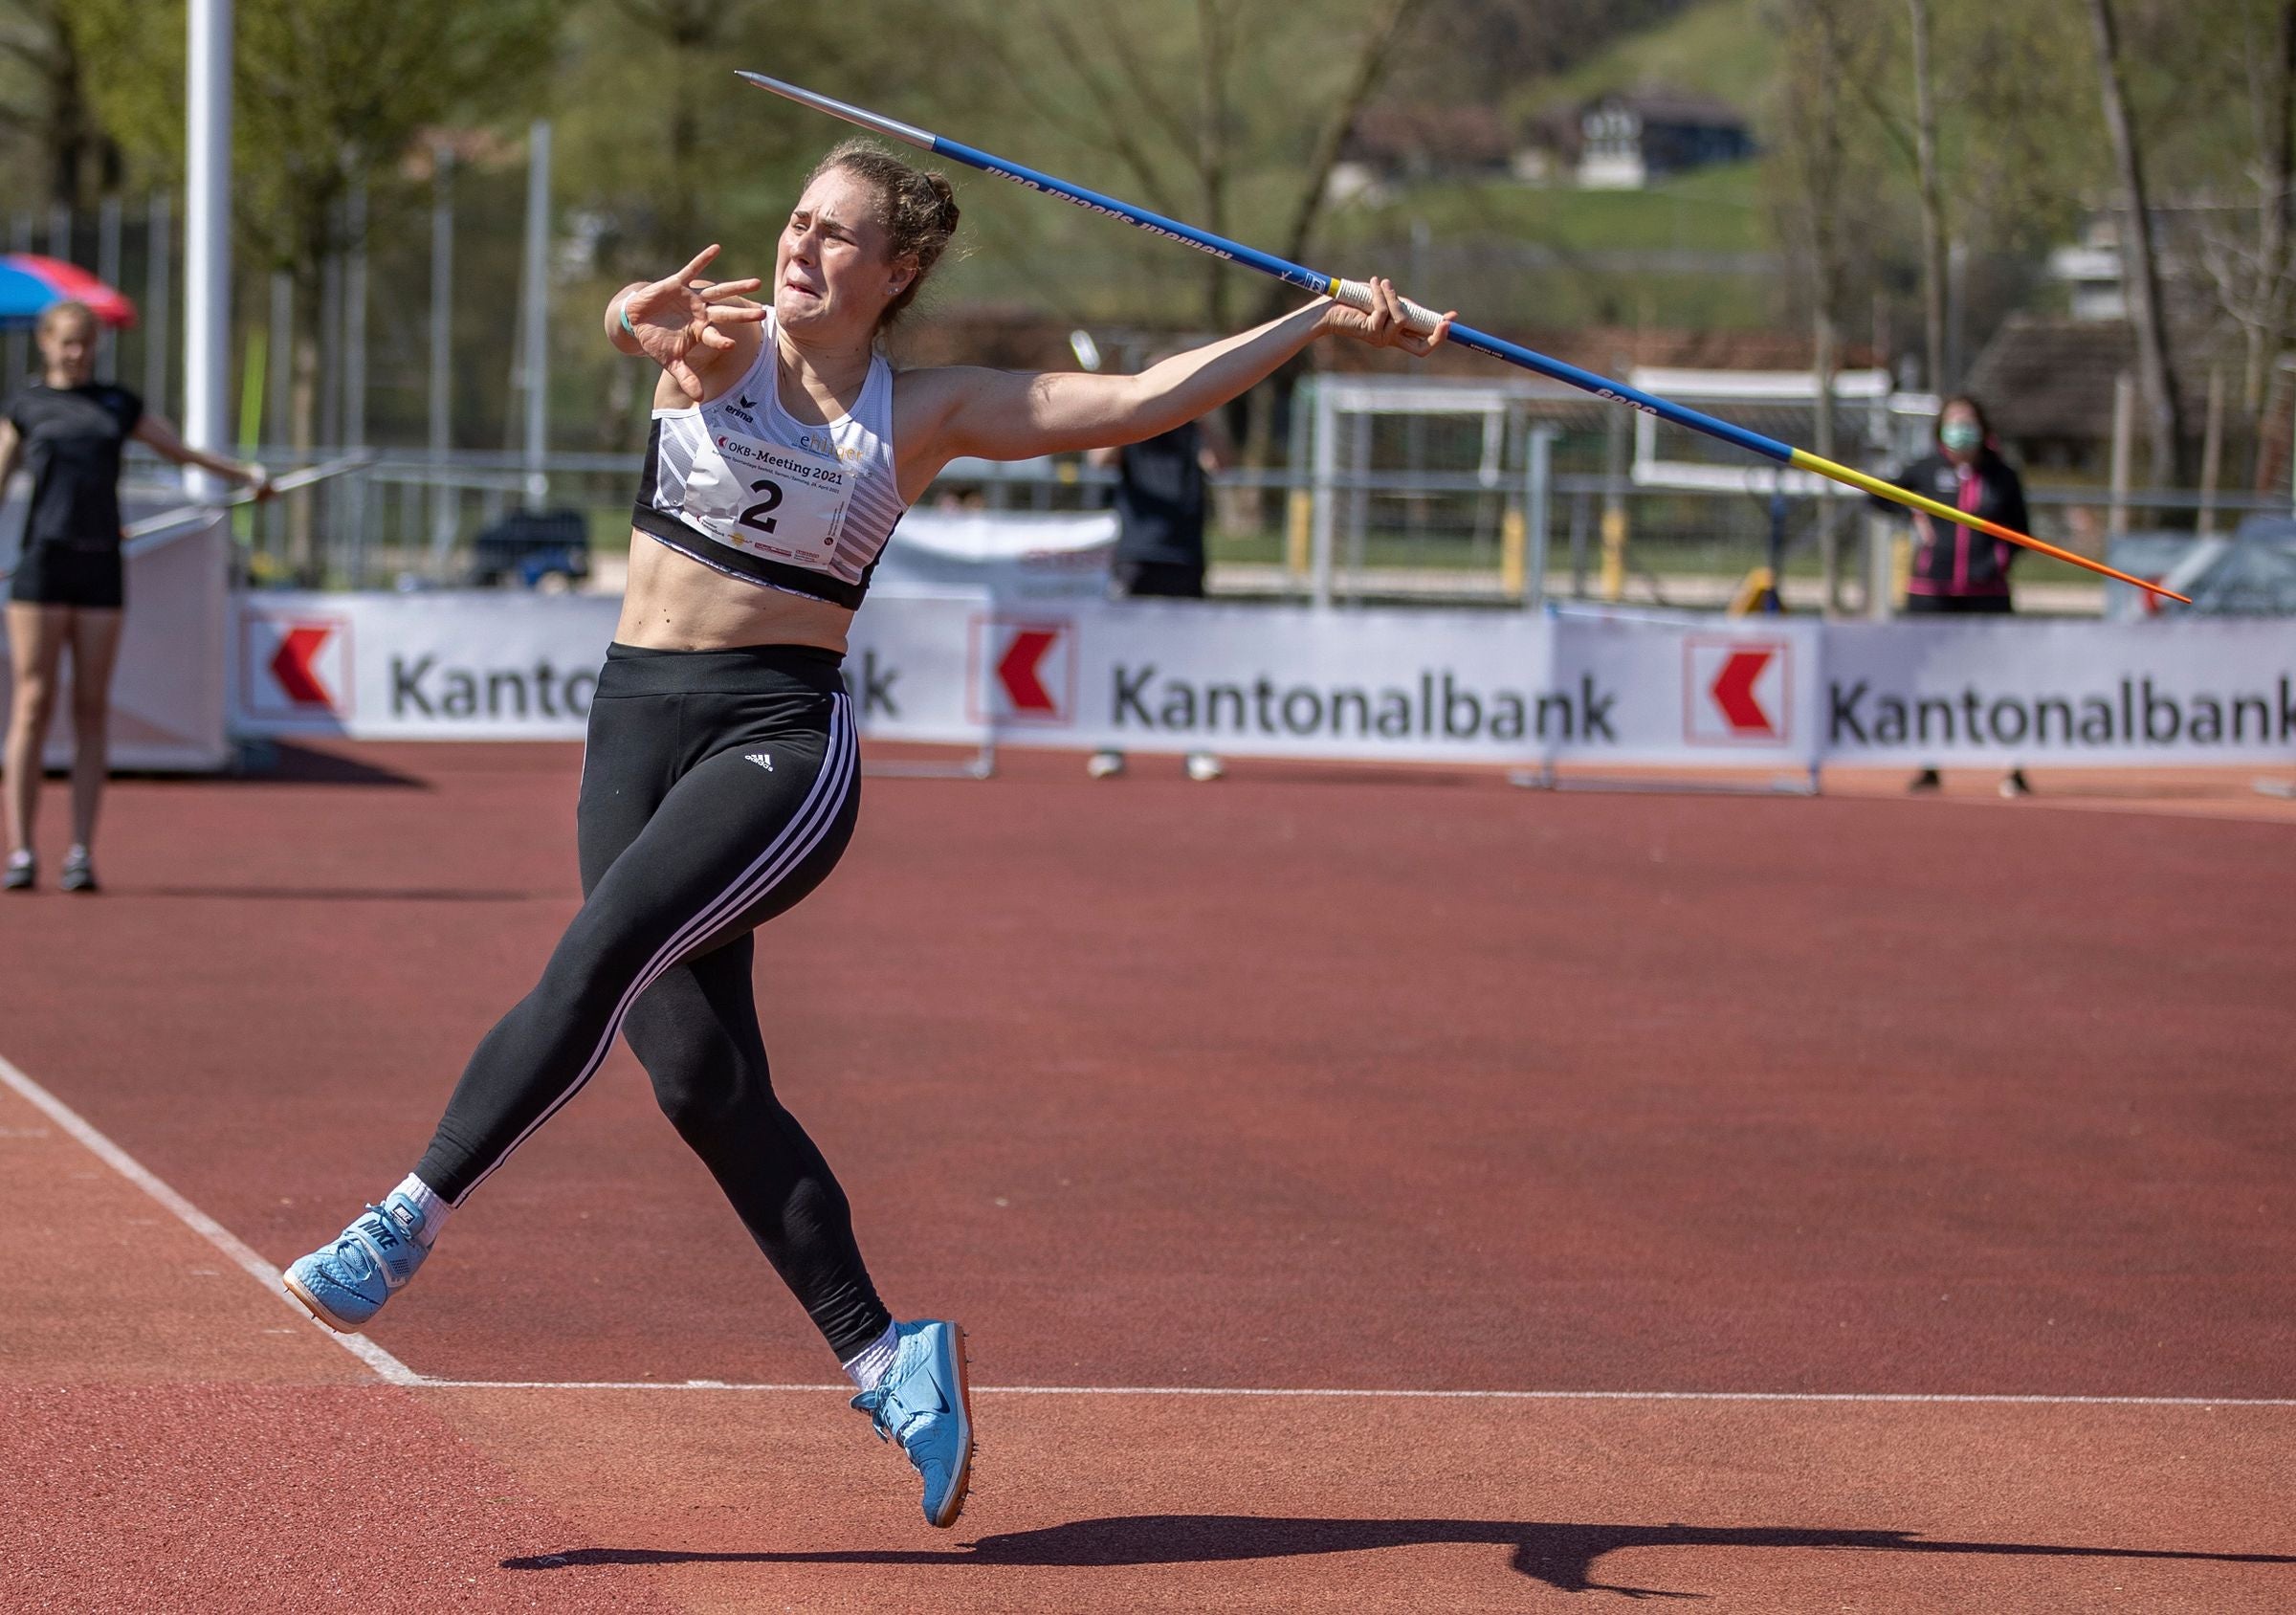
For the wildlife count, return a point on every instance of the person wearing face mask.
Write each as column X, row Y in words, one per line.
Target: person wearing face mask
column 68, row 590
column 1957, row 570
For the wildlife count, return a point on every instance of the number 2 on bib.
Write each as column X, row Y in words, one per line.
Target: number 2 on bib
column 756, row 515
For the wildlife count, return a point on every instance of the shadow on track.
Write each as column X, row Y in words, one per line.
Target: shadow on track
column 283, row 763
column 1562, row 1557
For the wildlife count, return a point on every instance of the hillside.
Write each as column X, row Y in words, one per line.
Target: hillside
column 1690, row 250
column 1722, row 48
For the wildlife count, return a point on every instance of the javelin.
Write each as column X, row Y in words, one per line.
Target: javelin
column 1358, row 295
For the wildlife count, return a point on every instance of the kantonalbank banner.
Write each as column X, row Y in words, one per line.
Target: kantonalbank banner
column 1401, row 685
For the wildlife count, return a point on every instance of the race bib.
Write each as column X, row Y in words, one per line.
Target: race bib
column 785, row 504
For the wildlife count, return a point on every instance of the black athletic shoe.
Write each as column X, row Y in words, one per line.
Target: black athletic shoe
column 78, row 874
column 21, row 877
column 1925, row 780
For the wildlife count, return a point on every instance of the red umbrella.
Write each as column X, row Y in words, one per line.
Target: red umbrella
column 29, row 283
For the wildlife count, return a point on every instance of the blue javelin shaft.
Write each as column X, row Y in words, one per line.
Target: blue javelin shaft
column 1283, row 269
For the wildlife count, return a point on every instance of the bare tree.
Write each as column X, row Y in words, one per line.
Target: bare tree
column 2140, row 264
column 1175, row 131
column 1380, row 31
column 1815, row 159
column 2251, row 269
column 1177, row 138
column 1371, row 55
column 1915, row 142
column 1932, row 198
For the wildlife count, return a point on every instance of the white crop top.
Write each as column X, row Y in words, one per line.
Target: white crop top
column 744, row 488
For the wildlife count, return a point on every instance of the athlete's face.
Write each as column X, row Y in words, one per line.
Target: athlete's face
column 832, row 270
column 68, row 349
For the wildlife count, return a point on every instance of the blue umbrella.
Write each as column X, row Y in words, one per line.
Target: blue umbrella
column 30, row 283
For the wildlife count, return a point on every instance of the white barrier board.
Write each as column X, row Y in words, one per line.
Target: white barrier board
column 1999, row 690
column 495, row 665
column 1463, row 686
column 1689, row 691
column 1281, row 681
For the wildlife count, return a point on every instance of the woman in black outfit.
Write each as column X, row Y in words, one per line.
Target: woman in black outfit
column 1958, row 571
column 718, row 786
column 68, row 588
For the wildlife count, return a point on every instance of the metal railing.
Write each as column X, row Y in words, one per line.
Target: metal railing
column 408, row 520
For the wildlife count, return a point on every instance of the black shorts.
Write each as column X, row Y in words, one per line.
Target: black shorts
column 52, row 574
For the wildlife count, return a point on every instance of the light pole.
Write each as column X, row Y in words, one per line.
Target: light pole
column 207, row 236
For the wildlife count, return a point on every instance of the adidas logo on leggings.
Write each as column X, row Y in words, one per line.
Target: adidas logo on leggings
column 762, row 759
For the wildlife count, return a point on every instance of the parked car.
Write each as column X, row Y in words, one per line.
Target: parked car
column 544, row 549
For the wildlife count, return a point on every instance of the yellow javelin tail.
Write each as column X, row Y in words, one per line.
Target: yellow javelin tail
column 1804, row 460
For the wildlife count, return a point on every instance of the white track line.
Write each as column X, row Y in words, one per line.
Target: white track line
column 1337, row 1393
column 197, row 1221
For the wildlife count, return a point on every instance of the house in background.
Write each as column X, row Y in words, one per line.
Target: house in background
column 1627, row 139
column 2090, row 270
column 1621, row 140
column 2046, row 382
column 1388, row 145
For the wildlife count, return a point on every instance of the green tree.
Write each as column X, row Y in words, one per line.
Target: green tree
column 47, row 112
column 328, row 97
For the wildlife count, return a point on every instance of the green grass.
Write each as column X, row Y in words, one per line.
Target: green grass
column 1710, row 209
column 1723, row 48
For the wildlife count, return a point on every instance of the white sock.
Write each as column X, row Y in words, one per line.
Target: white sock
column 433, row 1209
column 874, row 1362
column 19, row 858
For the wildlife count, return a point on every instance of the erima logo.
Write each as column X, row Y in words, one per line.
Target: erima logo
column 762, row 759
column 749, row 403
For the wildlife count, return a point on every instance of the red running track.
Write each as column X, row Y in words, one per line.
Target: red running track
column 1331, row 1081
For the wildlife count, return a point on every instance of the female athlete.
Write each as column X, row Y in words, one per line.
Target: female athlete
column 69, row 585
column 721, row 780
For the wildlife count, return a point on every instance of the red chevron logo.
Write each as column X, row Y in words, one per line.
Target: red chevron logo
column 1022, row 672
column 291, row 665
column 1732, row 692
column 1738, row 692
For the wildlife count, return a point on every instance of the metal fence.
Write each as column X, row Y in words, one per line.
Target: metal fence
column 1503, row 537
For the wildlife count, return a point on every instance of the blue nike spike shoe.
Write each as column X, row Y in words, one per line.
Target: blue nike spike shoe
column 924, row 1405
column 344, row 1284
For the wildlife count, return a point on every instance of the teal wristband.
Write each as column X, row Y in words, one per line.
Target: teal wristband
column 625, row 324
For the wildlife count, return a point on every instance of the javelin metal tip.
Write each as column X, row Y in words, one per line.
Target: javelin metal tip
column 835, row 108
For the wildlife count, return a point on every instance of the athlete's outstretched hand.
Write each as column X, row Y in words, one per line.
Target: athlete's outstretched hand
column 672, row 317
column 1383, row 324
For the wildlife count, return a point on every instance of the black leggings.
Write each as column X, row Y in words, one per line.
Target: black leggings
column 719, row 787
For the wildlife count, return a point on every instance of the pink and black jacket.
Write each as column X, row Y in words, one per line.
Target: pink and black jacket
column 1948, row 557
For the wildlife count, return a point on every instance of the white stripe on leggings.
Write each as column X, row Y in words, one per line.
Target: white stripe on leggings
column 812, row 821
